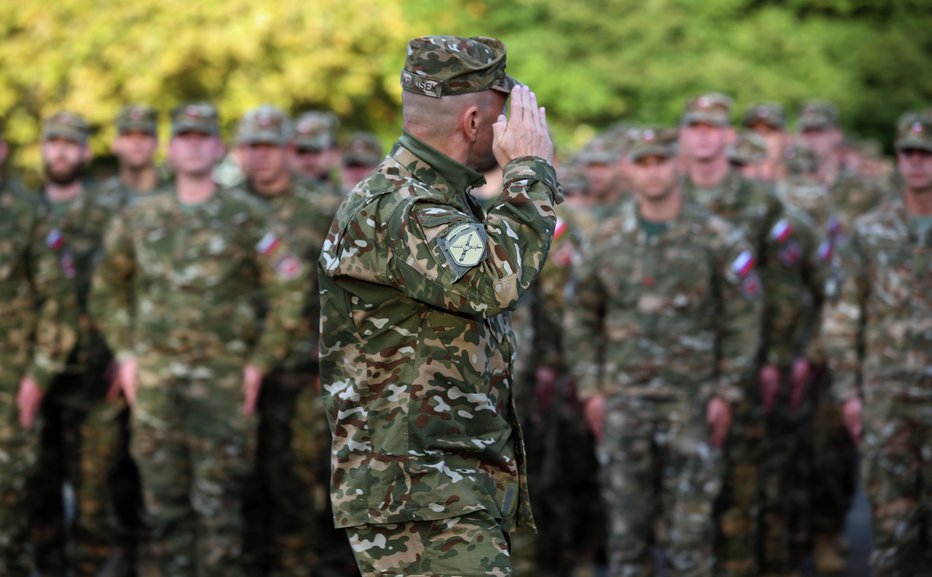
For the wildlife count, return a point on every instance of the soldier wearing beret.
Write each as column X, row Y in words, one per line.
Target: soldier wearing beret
column 175, row 297
column 671, row 294
column 416, row 347
column 878, row 344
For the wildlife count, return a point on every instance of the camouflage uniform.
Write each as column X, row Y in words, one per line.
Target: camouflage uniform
column 135, row 118
column 656, row 323
column 173, row 292
column 37, row 320
column 878, row 342
column 293, row 437
column 81, row 442
column 416, row 346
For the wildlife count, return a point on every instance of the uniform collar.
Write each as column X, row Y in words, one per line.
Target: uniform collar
column 459, row 176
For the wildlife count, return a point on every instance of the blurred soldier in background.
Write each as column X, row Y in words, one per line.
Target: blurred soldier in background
column 175, row 295
column 879, row 346
column 135, row 146
column 285, row 518
column 666, row 311
column 38, row 322
column 83, row 407
column 315, row 155
column 361, row 154
column 768, row 121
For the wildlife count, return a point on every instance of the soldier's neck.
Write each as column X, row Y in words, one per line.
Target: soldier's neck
column 918, row 202
column 194, row 189
column 139, row 179
column 63, row 192
column 708, row 173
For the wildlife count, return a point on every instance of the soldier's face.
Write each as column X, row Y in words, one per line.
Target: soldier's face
column 654, row 177
column 702, row 141
column 916, row 168
column 264, row 162
column 63, row 160
column 603, row 179
column 135, row 150
column 194, row 153
column 312, row 162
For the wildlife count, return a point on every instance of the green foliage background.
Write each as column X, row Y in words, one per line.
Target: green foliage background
column 592, row 62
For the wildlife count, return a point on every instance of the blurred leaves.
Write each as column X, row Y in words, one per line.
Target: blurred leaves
column 591, row 62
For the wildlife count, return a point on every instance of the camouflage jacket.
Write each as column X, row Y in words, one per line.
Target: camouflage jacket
column 670, row 316
column 306, row 215
column 416, row 353
column 754, row 207
column 38, row 312
column 180, row 280
column 115, row 187
column 878, row 335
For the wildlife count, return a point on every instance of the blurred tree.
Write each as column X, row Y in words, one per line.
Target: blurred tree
column 591, row 62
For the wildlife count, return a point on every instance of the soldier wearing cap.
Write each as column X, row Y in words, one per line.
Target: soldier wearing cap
column 175, row 295
column 879, row 346
column 671, row 292
column 315, row 155
column 789, row 298
column 601, row 160
column 768, row 121
column 293, row 433
column 747, row 153
column 135, row 145
column 37, row 319
column 80, row 445
column 361, row 154
column 416, row 348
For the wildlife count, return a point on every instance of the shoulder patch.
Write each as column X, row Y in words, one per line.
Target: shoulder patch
column 464, row 246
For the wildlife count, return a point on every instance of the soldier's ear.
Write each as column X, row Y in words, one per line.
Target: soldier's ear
column 471, row 119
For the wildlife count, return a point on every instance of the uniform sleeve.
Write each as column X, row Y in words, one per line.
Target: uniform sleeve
column 449, row 259
column 111, row 299
column 843, row 321
column 583, row 325
column 57, row 307
column 285, row 284
column 740, row 306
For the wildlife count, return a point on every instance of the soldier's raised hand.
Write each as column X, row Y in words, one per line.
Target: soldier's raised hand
column 524, row 132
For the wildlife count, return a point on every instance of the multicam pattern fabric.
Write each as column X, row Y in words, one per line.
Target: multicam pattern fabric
column 449, row 65
column 38, row 323
column 415, row 355
column 878, row 341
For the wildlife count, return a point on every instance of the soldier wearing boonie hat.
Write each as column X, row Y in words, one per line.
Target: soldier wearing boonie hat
column 426, row 252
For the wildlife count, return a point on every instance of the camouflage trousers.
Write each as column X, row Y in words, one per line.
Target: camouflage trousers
column 81, row 449
column 281, row 514
column 738, row 508
column 834, row 462
column 659, row 479
column 19, row 451
column 784, row 499
column 194, row 449
column 471, row 545
column 898, row 480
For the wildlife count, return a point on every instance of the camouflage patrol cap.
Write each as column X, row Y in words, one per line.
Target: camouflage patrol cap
column 449, row 65
column 264, row 124
column 137, row 118
column 602, row 149
column 747, row 148
column 914, row 133
column 800, row 159
column 652, row 141
column 362, row 149
column 710, row 108
column 818, row 115
column 767, row 113
column 67, row 125
column 195, row 117
column 315, row 130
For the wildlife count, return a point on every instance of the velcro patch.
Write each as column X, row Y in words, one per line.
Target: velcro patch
column 288, row 267
column 268, row 243
column 464, row 246
column 790, row 253
column 744, row 264
column 750, row 286
column 55, row 239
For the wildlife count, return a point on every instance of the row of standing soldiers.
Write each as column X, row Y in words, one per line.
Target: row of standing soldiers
column 190, row 297
column 694, row 265
column 141, row 315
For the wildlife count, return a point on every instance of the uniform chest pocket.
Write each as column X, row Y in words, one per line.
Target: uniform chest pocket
column 683, row 277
